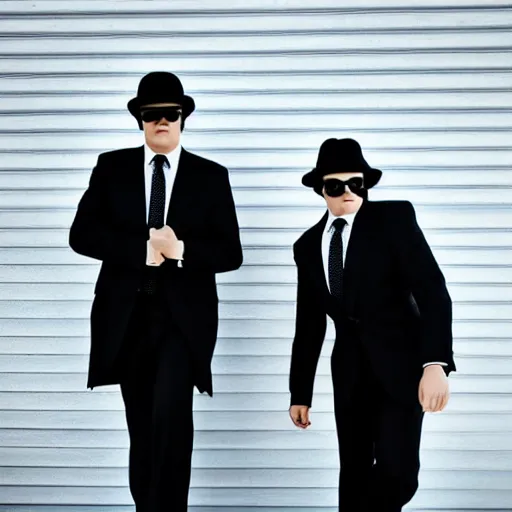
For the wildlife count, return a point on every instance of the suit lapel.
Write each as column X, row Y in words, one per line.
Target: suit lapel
column 181, row 194
column 316, row 257
column 357, row 251
column 133, row 184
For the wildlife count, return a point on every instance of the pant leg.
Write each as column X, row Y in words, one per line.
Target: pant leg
column 172, row 426
column 355, row 425
column 397, row 446
column 138, row 404
column 135, row 365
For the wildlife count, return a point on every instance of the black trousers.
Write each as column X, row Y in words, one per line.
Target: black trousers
column 157, row 389
column 379, row 442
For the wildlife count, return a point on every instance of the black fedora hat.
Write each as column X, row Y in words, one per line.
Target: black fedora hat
column 160, row 87
column 340, row 155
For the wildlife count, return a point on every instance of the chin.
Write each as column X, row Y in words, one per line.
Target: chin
column 345, row 207
column 163, row 143
column 350, row 207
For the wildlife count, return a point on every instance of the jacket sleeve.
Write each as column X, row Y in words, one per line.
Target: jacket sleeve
column 310, row 329
column 428, row 287
column 91, row 233
column 220, row 250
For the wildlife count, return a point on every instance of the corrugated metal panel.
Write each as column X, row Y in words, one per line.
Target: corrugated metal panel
column 427, row 89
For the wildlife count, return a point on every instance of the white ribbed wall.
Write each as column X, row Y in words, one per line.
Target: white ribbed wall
column 426, row 87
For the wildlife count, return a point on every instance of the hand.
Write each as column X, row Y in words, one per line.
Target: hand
column 433, row 391
column 164, row 241
column 153, row 257
column 300, row 416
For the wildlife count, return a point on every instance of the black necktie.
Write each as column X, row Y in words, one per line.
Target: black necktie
column 156, row 213
column 336, row 259
column 157, row 201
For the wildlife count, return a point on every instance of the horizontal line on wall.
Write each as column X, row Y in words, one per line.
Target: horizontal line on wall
column 178, row 54
column 432, row 246
column 238, row 468
column 465, row 376
column 268, row 230
column 232, row 131
column 256, row 341
column 272, row 92
column 269, row 248
column 220, row 339
column 210, row 508
column 239, row 283
column 58, row 450
column 254, row 470
column 320, row 208
column 244, row 170
column 445, row 413
column 239, row 150
column 291, row 189
column 258, row 319
column 438, row 433
column 287, row 111
column 283, row 377
column 237, row 393
column 259, row 301
column 228, row 73
column 186, row 34
column 264, row 188
column 232, row 11
column 228, row 356
column 225, row 508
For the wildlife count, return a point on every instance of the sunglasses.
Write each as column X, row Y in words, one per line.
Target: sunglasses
column 155, row 114
column 336, row 188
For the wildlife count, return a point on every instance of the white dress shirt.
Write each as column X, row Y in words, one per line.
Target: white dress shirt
column 170, row 175
column 345, row 237
column 327, row 235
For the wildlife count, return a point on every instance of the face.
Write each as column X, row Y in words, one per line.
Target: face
column 348, row 202
column 162, row 134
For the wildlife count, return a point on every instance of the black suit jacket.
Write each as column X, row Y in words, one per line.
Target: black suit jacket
column 395, row 302
column 111, row 225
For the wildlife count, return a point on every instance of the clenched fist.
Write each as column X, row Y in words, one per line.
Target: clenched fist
column 153, row 258
column 433, row 391
column 300, row 416
column 165, row 242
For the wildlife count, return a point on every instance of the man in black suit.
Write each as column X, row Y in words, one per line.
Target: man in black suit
column 163, row 223
column 368, row 266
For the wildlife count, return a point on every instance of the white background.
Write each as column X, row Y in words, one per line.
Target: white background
column 427, row 90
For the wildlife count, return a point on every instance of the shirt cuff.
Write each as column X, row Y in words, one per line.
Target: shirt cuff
column 435, row 362
column 180, row 251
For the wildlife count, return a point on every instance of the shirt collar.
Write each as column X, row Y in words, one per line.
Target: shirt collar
column 173, row 156
column 349, row 217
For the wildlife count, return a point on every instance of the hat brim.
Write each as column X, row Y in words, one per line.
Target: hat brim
column 187, row 104
column 314, row 178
